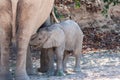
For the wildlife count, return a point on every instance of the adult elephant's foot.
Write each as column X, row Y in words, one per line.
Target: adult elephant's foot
column 22, row 77
column 59, row 73
column 7, row 76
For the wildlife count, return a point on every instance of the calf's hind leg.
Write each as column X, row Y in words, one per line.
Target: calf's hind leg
column 77, row 61
column 50, row 54
column 65, row 58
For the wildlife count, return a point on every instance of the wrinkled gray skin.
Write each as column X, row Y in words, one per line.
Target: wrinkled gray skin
column 62, row 38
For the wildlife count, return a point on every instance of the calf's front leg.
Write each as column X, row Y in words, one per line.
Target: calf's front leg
column 50, row 54
column 59, row 54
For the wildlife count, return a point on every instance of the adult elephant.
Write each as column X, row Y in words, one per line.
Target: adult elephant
column 19, row 19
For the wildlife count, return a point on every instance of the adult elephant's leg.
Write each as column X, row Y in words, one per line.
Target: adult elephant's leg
column 5, row 51
column 5, row 30
column 22, row 44
column 24, row 31
column 30, row 15
column 29, row 63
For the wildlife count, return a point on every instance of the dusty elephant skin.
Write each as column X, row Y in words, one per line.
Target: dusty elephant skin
column 27, row 15
column 61, row 38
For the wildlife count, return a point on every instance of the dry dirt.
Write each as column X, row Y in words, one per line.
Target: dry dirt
column 98, row 65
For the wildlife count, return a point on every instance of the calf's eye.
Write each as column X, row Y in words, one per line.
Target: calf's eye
column 39, row 38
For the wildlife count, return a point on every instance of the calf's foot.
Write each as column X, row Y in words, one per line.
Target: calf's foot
column 59, row 73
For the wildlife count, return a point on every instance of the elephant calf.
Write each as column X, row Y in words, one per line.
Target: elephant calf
column 62, row 38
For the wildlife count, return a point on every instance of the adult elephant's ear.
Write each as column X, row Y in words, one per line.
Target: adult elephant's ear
column 56, row 38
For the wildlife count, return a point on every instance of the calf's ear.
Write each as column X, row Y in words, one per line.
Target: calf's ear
column 34, row 36
column 55, row 39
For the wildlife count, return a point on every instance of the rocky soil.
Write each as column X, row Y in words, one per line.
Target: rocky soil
column 95, row 65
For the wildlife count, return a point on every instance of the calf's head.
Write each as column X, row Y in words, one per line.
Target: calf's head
column 38, row 39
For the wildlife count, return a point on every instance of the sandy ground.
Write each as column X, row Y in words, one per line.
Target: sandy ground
column 102, row 65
